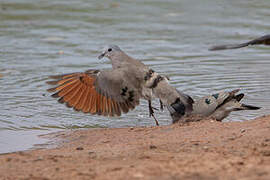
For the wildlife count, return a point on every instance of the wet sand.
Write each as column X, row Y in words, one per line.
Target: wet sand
column 198, row 150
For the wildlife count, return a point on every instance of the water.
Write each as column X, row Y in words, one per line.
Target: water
column 46, row 37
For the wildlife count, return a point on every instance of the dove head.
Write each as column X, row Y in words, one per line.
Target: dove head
column 110, row 51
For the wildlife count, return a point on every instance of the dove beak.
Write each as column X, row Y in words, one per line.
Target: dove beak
column 101, row 55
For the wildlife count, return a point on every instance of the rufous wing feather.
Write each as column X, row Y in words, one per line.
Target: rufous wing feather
column 78, row 90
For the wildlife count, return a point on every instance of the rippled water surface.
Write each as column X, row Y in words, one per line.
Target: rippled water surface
column 45, row 37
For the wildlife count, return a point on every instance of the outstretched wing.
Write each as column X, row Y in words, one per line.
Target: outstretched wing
column 261, row 40
column 106, row 93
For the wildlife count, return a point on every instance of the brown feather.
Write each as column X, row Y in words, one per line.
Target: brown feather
column 124, row 107
column 114, row 111
column 68, row 96
column 130, row 105
column 93, row 109
column 68, row 89
column 82, row 98
column 89, row 81
column 74, row 96
column 117, row 108
column 59, row 88
column 52, row 89
column 112, row 108
column 98, row 103
column 55, row 95
column 61, row 100
column 64, row 81
column 59, row 82
column 64, row 76
column 109, row 107
column 86, row 106
column 104, row 106
column 52, row 82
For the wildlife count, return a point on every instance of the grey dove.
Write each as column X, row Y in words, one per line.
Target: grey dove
column 264, row 40
column 111, row 92
column 173, row 99
column 217, row 106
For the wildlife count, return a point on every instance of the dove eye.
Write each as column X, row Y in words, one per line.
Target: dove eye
column 110, row 49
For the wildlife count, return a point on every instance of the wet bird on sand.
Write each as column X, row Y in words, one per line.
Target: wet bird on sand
column 217, row 106
column 263, row 40
column 111, row 92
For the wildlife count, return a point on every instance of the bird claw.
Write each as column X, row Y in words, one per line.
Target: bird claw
column 155, row 119
column 161, row 105
column 151, row 112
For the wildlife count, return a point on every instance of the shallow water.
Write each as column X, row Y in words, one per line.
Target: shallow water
column 41, row 38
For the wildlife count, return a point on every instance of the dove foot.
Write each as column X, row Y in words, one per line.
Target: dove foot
column 151, row 112
column 161, row 105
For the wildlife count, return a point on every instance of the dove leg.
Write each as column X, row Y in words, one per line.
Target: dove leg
column 161, row 105
column 151, row 112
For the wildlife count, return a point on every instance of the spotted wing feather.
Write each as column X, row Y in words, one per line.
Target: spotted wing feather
column 104, row 93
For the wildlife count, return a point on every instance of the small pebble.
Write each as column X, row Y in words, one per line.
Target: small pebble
column 79, row 148
column 205, row 147
column 242, row 130
column 116, row 169
column 39, row 159
column 266, row 153
column 240, row 163
column 153, row 147
column 131, row 128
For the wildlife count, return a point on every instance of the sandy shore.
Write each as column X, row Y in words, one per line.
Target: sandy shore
column 199, row 150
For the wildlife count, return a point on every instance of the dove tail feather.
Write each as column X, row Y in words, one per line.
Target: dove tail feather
column 250, row 107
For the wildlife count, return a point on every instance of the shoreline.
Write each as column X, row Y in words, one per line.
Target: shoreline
column 197, row 150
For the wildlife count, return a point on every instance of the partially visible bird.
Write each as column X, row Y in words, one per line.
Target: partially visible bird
column 217, row 106
column 175, row 101
column 264, row 40
column 109, row 92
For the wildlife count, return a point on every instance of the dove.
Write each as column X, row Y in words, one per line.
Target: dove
column 173, row 99
column 111, row 92
column 264, row 40
column 217, row 106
